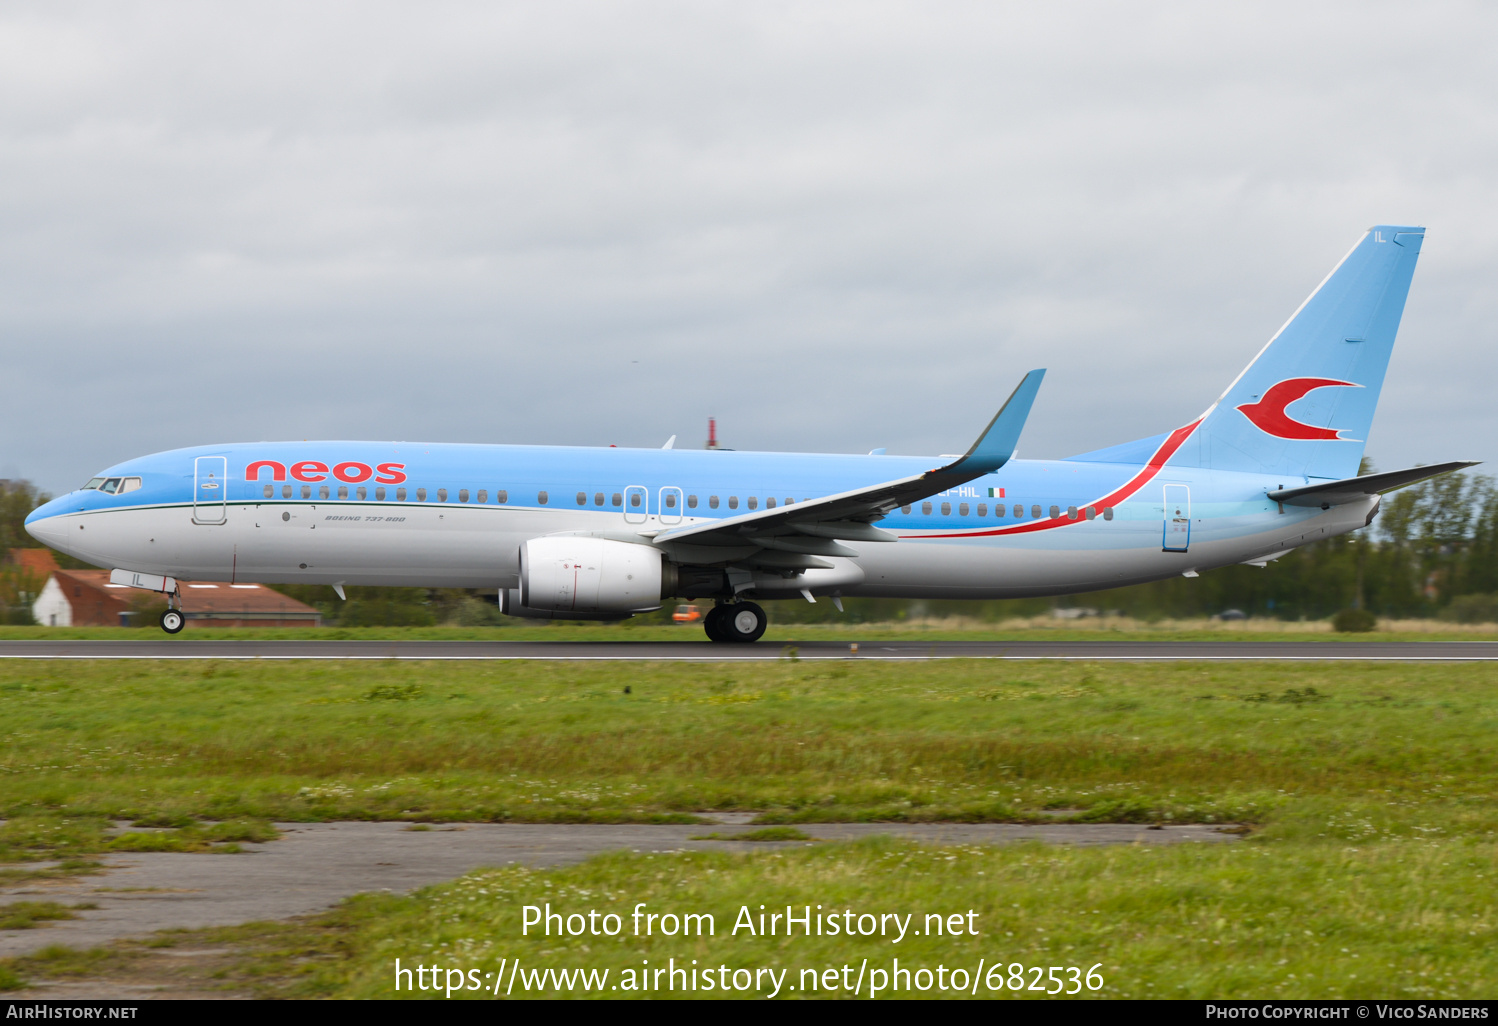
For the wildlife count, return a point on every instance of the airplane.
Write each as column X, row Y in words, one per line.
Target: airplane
column 574, row 533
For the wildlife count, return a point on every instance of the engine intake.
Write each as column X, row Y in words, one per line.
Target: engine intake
column 592, row 575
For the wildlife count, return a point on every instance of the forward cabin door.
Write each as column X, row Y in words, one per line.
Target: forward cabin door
column 209, row 491
column 1177, row 535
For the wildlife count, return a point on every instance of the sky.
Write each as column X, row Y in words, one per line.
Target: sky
column 832, row 226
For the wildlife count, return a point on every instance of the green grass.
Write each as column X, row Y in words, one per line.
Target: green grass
column 25, row 915
column 170, row 742
column 1408, row 918
column 1370, row 789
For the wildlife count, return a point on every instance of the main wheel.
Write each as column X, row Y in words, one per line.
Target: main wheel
column 172, row 622
column 712, row 623
column 743, row 621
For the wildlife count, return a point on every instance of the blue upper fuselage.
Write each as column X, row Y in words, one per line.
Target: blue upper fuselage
column 713, row 484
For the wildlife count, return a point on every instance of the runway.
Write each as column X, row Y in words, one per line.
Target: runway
column 694, row 651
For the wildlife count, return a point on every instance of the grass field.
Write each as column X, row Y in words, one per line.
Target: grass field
column 1370, row 789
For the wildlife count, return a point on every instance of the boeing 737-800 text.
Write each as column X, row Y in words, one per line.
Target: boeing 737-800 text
column 603, row 534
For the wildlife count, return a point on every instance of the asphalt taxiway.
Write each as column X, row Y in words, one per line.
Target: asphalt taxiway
column 703, row 651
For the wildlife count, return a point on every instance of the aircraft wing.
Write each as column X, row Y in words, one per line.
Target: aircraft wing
column 1333, row 493
column 812, row 526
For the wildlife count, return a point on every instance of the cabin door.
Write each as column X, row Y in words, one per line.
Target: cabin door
column 209, row 491
column 1177, row 535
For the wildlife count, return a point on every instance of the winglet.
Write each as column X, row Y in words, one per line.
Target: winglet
column 996, row 445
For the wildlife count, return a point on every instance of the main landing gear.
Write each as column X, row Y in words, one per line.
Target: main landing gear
column 737, row 621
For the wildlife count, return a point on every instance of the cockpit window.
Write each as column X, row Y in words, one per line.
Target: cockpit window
column 129, row 484
column 111, row 486
column 93, row 482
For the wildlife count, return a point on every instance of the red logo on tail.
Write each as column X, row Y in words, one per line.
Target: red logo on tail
column 1269, row 416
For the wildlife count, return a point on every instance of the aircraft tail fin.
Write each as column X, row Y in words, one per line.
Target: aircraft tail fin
column 1303, row 407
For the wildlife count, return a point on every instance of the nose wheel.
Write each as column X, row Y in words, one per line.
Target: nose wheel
column 172, row 621
column 740, row 622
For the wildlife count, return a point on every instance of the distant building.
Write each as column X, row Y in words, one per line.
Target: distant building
column 85, row 598
column 39, row 561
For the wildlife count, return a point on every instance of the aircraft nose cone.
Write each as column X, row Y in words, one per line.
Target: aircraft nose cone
column 45, row 525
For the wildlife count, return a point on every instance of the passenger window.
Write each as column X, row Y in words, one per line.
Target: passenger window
column 501, row 496
column 1055, row 512
column 343, row 491
column 790, row 502
column 323, row 492
column 441, row 494
column 482, row 497
column 670, row 500
column 462, row 494
column 380, row 494
column 1091, row 512
column 926, row 508
column 1107, row 512
column 905, row 510
column 634, row 499
column 712, row 502
column 582, row 498
column 400, row 495
column 962, row 510
column 946, row 509
column 1071, row 512
column 733, row 502
column 129, row 484
column 541, row 498
column 286, row 491
column 598, row 498
column 270, row 491
column 421, row 495
column 983, row 509
column 618, row 499
column 770, row 502
column 1035, row 513
column 363, row 493
column 752, row 502
column 306, row 491
column 110, row 486
column 691, row 502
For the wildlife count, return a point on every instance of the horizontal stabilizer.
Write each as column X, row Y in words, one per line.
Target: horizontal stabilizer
column 1335, row 493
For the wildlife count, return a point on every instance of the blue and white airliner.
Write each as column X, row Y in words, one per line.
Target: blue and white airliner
column 606, row 533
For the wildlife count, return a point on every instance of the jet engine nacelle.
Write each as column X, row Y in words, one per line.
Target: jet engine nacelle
column 591, row 575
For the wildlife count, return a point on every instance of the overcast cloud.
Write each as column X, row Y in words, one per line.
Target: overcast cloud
column 832, row 226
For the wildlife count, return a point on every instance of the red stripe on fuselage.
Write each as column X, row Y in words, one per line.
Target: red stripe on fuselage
column 1153, row 467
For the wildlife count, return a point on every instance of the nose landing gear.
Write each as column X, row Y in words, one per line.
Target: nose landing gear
column 172, row 620
column 738, row 621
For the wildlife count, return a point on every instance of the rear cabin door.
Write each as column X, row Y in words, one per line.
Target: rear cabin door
column 1177, row 536
column 209, row 492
